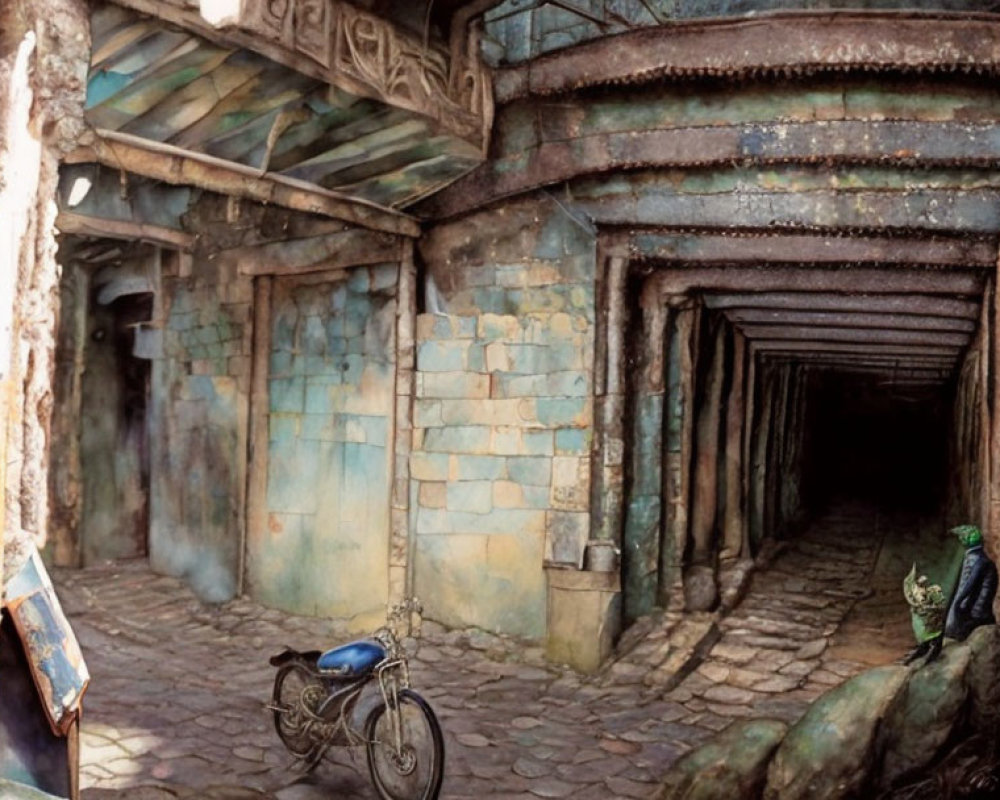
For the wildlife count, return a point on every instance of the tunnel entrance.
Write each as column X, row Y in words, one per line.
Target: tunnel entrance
column 872, row 438
column 768, row 405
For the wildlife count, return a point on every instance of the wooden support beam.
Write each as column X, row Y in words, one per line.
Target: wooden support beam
column 349, row 248
column 182, row 167
column 611, row 475
column 700, row 585
column 785, row 347
column 861, row 280
column 68, row 222
column 872, row 336
column 733, row 520
column 255, row 525
column 677, row 448
column 854, row 320
column 927, row 305
column 938, row 363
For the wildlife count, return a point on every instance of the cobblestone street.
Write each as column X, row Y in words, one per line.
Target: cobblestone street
column 177, row 699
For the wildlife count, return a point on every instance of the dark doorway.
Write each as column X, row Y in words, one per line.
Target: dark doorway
column 114, row 448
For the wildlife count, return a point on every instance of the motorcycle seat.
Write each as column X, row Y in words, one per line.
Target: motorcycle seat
column 353, row 659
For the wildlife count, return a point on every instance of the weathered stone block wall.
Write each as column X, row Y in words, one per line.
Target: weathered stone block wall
column 503, row 414
column 325, row 548
column 198, row 423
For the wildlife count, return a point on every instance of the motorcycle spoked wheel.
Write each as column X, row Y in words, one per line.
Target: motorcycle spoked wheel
column 296, row 688
column 416, row 771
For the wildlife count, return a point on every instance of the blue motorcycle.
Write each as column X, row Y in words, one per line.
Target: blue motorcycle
column 315, row 703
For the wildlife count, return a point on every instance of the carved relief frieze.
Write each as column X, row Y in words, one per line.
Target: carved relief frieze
column 356, row 50
column 395, row 66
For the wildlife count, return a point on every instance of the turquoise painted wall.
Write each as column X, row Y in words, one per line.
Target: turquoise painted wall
column 331, row 403
column 198, row 417
column 503, row 414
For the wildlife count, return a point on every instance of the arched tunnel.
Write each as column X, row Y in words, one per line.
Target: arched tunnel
column 765, row 401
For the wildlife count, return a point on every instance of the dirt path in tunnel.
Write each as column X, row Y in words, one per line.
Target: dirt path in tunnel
column 177, row 700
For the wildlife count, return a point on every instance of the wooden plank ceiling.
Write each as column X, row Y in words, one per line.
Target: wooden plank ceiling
column 171, row 86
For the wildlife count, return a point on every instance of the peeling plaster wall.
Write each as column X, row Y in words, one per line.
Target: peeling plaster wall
column 331, row 395
column 503, row 414
column 198, row 427
column 44, row 51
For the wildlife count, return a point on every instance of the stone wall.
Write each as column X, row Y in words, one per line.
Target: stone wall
column 198, row 424
column 322, row 544
column 503, row 414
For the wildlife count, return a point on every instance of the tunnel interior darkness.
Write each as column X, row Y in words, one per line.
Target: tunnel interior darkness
column 870, row 439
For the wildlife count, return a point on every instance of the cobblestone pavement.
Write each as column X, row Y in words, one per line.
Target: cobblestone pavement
column 176, row 706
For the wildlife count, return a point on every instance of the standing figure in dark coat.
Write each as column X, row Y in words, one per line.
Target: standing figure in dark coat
column 972, row 602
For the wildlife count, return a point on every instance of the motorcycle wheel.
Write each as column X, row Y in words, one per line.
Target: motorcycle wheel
column 296, row 688
column 416, row 771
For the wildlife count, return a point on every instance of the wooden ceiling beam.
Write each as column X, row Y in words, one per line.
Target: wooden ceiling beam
column 773, row 333
column 929, row 305
column 176, row 166
column 852, row 320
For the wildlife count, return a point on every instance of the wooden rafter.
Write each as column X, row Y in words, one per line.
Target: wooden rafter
column 176, row 166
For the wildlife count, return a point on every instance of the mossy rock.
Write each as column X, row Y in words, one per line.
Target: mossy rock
column 731, row 764
column 983, row 677
column 830, row 752
column 928, row 710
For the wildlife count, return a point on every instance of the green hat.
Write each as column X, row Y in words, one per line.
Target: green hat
column 968, row 535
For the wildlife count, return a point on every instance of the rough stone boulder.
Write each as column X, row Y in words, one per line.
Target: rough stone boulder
column 732, row 764
column 925, row 715
column 830, row 752
column 983, row 677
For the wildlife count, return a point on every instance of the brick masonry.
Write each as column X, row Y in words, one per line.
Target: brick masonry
column 503, row 415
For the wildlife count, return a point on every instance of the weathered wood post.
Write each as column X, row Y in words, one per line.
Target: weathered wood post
column 256, row 500
column 759, row 474
column 735, row 421
column 400, row 543
column 677, row 448
column 700, row 584
column 641, row 542
column 612, row 408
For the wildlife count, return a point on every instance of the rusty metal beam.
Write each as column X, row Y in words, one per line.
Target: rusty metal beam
column 773, row 333
column 777, row 45
column 796, row 248
column 830, row 142
column 648, row 199
column 936, row 306
column 861, row 280
column 854, row 320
